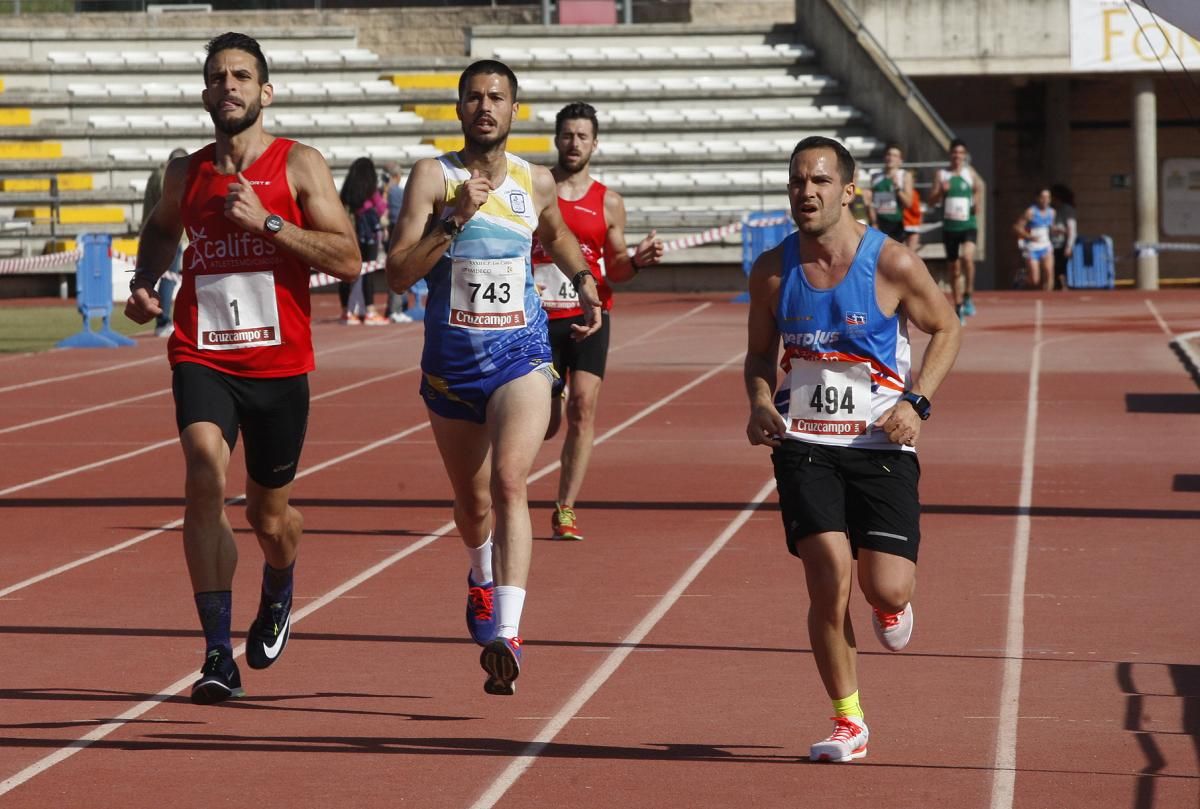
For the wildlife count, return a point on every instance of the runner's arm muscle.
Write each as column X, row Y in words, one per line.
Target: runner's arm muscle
column 561, row 245
column 328, row 244
column 157, row 243
column 760, row 373
column 619, row 266
column 914, row 290
column 416, row 244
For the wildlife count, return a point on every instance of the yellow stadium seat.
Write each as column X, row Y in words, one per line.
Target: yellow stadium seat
column 30, row 150
column 15, row 116
column 1, row 85
column 446, row 112
column 91, row 214
column 75, row 214
column 425, row 81
column 520, row 144
column 66, row 182
column 126, row 247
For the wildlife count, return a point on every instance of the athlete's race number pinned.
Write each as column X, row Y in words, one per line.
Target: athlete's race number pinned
column 554, row 287
column 830, row 399
column 957, row 209
column 487, row 293
column 236, row 310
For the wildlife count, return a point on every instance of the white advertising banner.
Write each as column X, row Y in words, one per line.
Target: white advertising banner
column 1180, row 196
column 1112, row 35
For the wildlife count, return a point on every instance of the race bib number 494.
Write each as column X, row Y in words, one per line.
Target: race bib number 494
column 830, row 399
column 487, row 293
column 236, row 310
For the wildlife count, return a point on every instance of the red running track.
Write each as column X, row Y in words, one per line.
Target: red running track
column 1055, row 661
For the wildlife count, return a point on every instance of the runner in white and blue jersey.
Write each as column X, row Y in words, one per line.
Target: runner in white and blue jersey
column 1033, row 229
column 844, row 425
column 467, row 225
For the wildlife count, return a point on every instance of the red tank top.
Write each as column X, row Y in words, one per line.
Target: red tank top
column 585, row 218
column 242, row 306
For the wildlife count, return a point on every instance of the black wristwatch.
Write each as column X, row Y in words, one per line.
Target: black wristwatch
column 274, row 223
column 919, row 403
column 144, row 279
column 451, row 227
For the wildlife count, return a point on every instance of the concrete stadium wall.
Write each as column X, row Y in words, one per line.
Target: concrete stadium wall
column 392, row 33
column 947, row 37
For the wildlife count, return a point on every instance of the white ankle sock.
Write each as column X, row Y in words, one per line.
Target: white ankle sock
column 481, row 562
column 510, row 601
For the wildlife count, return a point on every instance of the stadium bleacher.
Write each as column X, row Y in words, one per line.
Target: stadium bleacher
column 695, row 130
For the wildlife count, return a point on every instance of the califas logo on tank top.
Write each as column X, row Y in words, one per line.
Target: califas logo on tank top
column 230, row 252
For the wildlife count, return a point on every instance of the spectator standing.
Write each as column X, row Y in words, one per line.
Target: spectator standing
column 1065, row 230
column 366, row 206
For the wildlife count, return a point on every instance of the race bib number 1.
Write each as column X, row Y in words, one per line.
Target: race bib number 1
column 487, row 293
column 830, row 399
column 554, row 287
column 236, row 310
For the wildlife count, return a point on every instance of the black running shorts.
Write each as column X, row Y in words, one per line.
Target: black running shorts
column 589, row 355
column 952, row 240
column 271, row 413
column 870, row 495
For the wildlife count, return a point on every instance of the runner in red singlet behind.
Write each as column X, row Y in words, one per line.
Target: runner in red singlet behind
column 258, row 211
column 596, row 215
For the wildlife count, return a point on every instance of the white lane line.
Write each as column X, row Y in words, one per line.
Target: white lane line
column 1005, row 762
column 81, row 374
column 21, row 585
column 88, row 467
column 1162, row 323
column 85, row 741
column 660, row 327
column 83, row 411
column 615, row 658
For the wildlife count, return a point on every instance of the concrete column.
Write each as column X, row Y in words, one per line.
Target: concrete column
column 1145, row 179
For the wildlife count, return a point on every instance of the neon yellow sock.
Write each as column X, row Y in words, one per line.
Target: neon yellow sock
column 848, row 706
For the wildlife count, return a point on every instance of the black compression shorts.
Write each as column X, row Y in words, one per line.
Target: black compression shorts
column 590, row 355
column 271, row 413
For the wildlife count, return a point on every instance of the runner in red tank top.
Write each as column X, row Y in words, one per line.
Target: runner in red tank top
column 596, row 215
column 259, row 211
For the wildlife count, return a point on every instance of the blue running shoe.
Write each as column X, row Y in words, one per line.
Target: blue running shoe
column 968, row 306
column 268, row 634
column 219, row 679
column 501, row 659
column 481, row 614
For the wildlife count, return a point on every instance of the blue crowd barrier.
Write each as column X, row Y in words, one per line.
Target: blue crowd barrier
column 93, row 295
column 761, row 230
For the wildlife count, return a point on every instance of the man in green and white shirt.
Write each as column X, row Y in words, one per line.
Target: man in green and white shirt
column 889, row 194
column 958, row 188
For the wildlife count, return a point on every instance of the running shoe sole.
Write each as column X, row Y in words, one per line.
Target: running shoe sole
column 211, row 690
column 833, row 754
column 498, row 660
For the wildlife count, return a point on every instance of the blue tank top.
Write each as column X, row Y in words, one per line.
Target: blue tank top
column 845, row 362
column 1040, row 224
column 483, row 311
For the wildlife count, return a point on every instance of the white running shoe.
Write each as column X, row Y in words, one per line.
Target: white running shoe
column 895, row 629
column 400, row 317
column 166, row 330
column 847, row 742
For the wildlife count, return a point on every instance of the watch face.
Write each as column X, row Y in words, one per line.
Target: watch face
column 274, row 223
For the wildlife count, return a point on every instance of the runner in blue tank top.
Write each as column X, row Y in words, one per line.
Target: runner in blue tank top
column 1033, row 229
column 467, row 224
column 844, row 424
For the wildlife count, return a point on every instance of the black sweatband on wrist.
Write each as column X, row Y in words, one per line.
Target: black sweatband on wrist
column 578, row 278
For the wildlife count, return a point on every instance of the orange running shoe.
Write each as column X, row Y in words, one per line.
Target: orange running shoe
column 562, row 521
